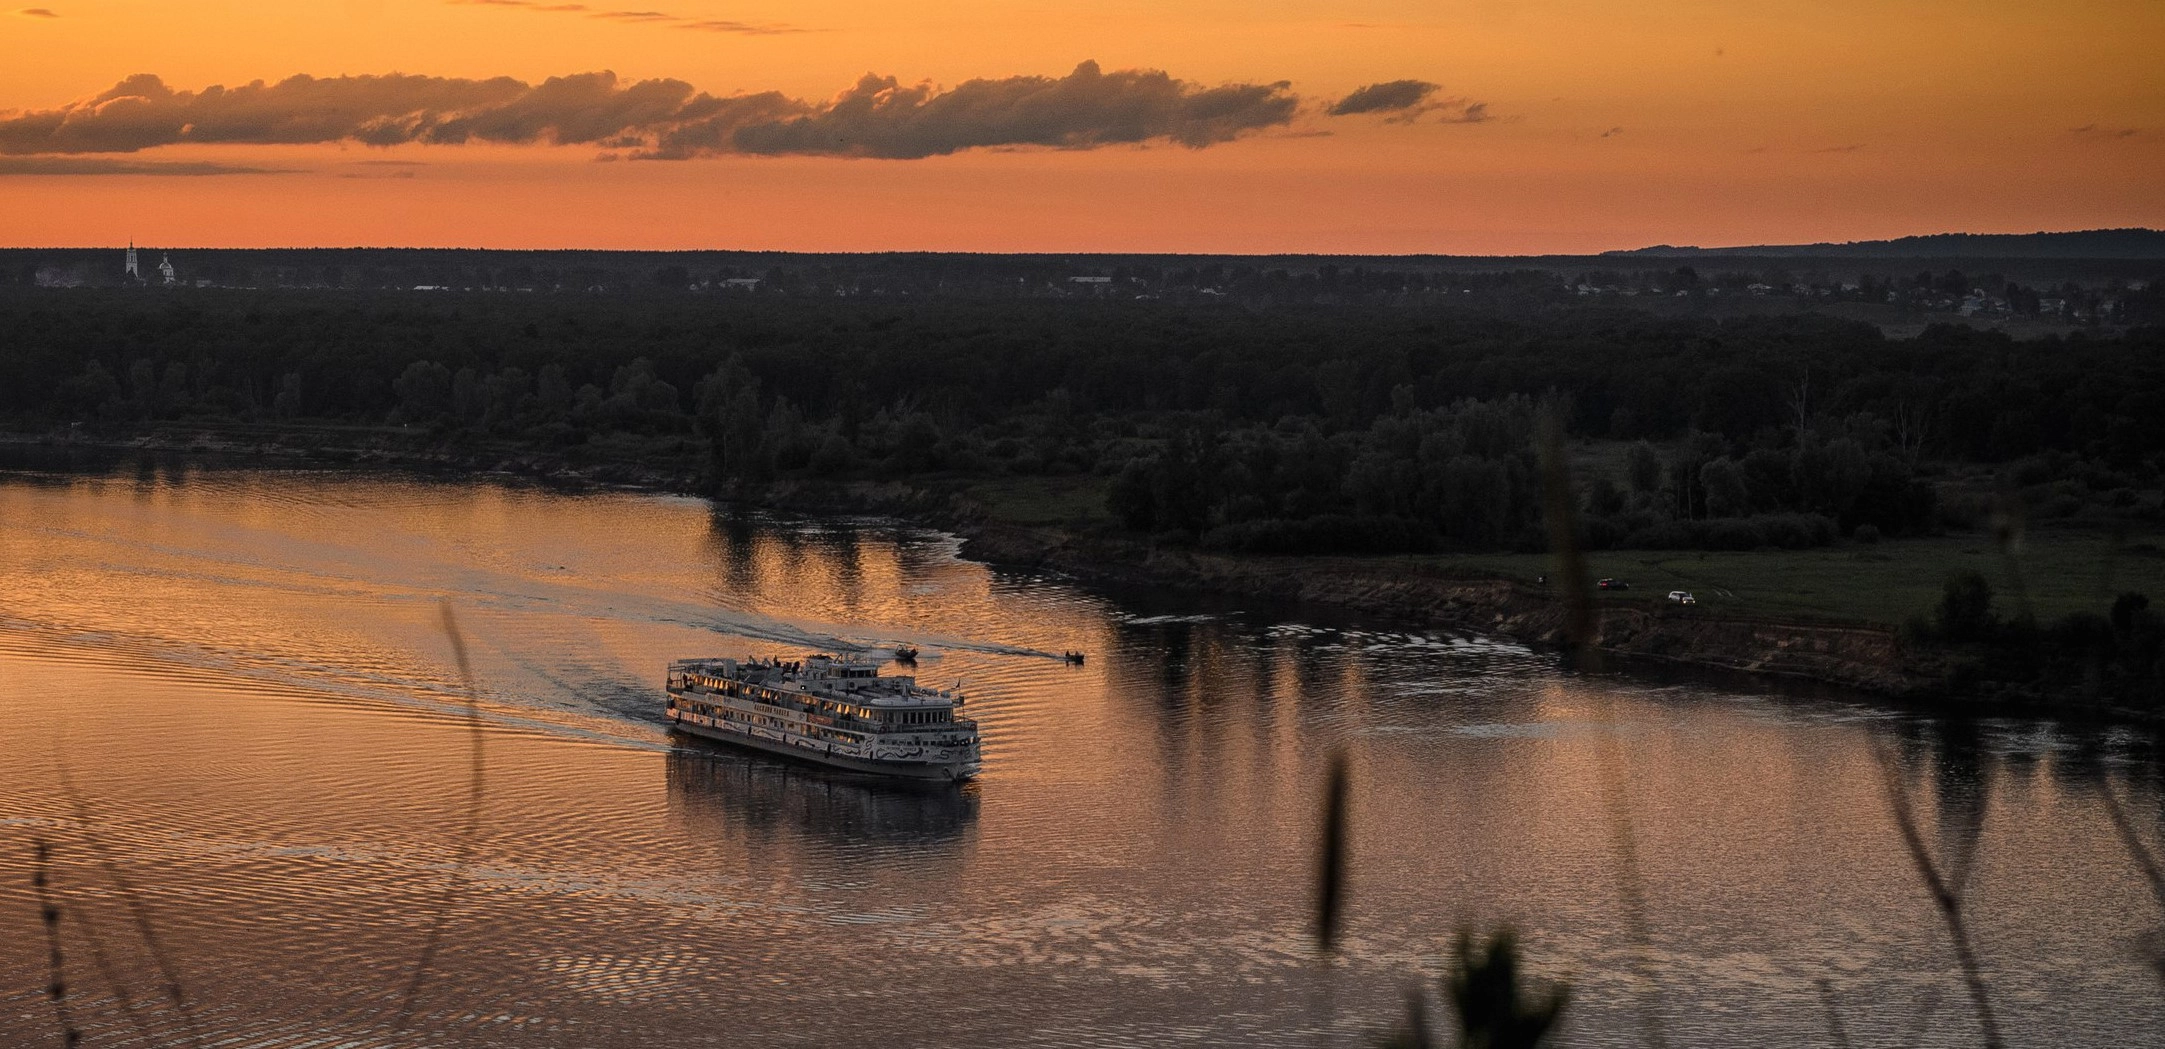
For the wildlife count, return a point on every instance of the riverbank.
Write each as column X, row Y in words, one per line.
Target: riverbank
column 1826, row 616
column 1053, row 528
column 1859, row 656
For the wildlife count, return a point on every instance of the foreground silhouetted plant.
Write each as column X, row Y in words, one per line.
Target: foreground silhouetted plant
column 1495, row 1011
column 1330, row 882
column 1946, row 883
column 1483, row 985
column 2144, row 862
column 1331, row 856
column 1490, row 1000
column 1559, row 511
column 1582, row 635
column 56, row 982
column 138, row 913
column 476, row 786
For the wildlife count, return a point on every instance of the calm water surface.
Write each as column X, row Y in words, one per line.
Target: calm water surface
column 230, row 709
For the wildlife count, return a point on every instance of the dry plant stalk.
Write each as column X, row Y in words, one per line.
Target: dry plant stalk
column 2136, row 850
column 2009, row 526
column 1560, row 511
column 1559, row 504
column 1330, row 889
column 1946, row 890
column 467, row 840
column 169, row 979
column 1415, row 1033
column 99, row 960
column 56, row 984
column 1331, row 856
column 1827, row 1000
column 2144, row 862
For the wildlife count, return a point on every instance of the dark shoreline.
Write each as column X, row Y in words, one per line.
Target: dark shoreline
column 1869, row 659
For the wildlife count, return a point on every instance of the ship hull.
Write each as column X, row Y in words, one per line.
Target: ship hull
column 945, row 772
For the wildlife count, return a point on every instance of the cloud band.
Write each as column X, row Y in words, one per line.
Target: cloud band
column 877, row 117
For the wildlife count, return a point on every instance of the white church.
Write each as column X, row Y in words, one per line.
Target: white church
column 165, row 266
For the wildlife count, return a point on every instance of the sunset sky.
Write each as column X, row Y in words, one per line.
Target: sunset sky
column 1460, row 126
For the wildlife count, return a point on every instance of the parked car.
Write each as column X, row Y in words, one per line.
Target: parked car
column 1613, row 584
column 1683, row 597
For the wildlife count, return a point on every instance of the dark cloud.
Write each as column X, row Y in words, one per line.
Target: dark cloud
column 38, row 12
column 111, row 166
column 1462, row 112
column 1083, row 110
column 1850, row 148
column 2099, row 131
column 579, row 109
column 141, row 112
column 1612, row 132
column 1387, row 97
column 1408, row 101
column 717, row 25
column 711, row 126
column 667, row 119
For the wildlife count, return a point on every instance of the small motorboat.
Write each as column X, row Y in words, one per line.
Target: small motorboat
column 1073, row 658
column 906, row 655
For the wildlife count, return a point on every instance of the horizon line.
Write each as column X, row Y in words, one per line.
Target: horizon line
column 1606, row 252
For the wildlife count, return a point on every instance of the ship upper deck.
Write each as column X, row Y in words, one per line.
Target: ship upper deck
column 823, row 677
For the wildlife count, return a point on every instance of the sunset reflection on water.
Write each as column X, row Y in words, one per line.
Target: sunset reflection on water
column 242, row 676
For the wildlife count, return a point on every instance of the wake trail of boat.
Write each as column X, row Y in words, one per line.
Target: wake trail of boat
column 988, row 648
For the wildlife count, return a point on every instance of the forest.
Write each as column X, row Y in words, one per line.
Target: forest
column 1291, row 430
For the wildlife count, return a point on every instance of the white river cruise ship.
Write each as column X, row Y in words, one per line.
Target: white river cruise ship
column 829, row 710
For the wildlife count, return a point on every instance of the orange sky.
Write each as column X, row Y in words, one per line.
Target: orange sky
column 1774, row 121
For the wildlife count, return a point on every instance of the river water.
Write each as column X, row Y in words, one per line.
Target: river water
column 234, row 716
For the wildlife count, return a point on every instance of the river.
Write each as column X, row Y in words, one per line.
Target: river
column 234, row 716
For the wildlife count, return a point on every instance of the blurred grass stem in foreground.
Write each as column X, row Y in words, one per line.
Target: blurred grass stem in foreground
column 468, row 838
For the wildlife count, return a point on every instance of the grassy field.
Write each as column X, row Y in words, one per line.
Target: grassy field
column 2058, row 572
column 1072, row 501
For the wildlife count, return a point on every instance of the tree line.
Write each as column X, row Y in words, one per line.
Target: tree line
column 1298, row 429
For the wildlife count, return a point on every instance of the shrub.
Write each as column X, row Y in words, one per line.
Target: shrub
column 2081, row 630
column 2125, row 609
column 1965, row 608
column 1731, row 534
column 1328, row 533
column 1173, row 537
column 834, row 456
column 1602, row 533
